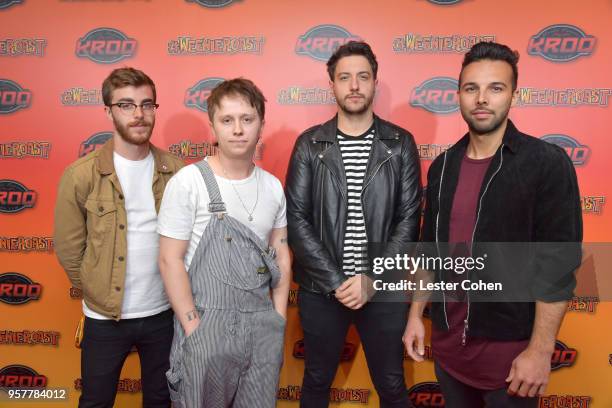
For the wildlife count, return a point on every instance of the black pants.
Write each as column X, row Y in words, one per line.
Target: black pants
column 380, row 326
column 106, row 344
column 460, row 395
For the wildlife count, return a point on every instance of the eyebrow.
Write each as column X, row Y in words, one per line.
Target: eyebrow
column 358, row 73
column 229, row 115
column 492, row 83
column 132, row 100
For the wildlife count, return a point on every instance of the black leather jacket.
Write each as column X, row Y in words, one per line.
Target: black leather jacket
column 316, row 193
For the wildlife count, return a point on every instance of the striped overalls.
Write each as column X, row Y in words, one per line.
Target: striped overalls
column 233, row 358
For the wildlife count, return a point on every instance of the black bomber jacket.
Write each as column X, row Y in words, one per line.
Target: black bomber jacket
column 529, row 204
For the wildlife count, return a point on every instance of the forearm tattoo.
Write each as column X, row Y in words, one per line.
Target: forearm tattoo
column 284, row 240
column 191, row 315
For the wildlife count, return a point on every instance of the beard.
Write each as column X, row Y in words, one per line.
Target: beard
column 479, row 128
column 357, row 110
column 125, row 131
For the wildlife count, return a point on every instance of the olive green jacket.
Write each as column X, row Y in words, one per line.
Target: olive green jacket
column 90, row 225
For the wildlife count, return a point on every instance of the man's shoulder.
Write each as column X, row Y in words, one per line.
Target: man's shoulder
column 187, row 174
column 84, row 168
column 173, row 162
column 270, row 179
column 307, row 135
column 394, row 129
column 539, row 150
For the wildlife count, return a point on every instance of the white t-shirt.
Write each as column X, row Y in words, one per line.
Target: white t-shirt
column 184, row 210
column 143, row 293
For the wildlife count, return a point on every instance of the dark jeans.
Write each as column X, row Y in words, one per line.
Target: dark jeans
column 106, row 344
column 325, row 322
column 460, row 395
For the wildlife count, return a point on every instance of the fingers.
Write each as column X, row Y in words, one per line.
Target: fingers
column 421, row 345
column 344, row 285
column 542, row 389
column 533, row 390
column 352, row 302
column 526, row 387
column 408, row 340
column 511, row 374
column 514, row 382
column 523, row 389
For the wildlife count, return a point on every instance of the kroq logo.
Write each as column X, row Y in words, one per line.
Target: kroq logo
column 197, row 96
column 8, row 3
column 436, row 95
column 15, row 197
column 94, row 142
column 20, row 376
column 561, row 43
column 17, row 289
column 348, row 351
column 321, row 41
column 426, row 394
column 13, row 97
column 563, row 356
column 212, row 3
column 106, row 46
column 578, row 153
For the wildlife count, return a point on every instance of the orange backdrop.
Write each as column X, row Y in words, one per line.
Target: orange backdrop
column 55, row 54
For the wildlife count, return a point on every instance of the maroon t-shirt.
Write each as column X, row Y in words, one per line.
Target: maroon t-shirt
column 481, row 363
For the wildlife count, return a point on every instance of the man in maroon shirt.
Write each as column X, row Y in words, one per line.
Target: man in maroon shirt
column 497, row 354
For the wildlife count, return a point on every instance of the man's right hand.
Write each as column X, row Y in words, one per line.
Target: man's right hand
column 415, row 333
column 191, row 326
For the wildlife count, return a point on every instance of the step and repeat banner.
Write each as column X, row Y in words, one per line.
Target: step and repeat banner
column 54, row 55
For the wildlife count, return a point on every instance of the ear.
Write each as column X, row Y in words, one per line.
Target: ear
column 212, row 132
column 109, row 114
column 515, row 97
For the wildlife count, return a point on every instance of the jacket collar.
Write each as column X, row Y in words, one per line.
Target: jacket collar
column 512, row 139
column 105, row 164
column 328, row 131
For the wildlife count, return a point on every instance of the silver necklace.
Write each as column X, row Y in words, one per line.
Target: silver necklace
column 249, row 213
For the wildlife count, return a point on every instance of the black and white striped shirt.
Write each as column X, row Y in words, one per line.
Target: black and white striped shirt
column 355, row 153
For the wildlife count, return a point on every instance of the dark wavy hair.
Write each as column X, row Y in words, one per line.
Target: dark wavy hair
column 348, row 49
column 494, row 52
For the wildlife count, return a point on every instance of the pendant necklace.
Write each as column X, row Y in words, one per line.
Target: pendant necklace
column 249, row 213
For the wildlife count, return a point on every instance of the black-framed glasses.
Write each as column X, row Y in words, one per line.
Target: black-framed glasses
column 129, row 108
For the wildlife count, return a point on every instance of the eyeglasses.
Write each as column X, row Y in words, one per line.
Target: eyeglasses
column 129, row 108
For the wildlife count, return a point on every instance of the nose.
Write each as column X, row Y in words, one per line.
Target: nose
column 138, row 112
column 482, row 98
column 354, row 84
column 237, row 127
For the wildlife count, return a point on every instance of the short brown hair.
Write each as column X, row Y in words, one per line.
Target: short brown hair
column 237, row 87
column 352, row 48
column 122, row 77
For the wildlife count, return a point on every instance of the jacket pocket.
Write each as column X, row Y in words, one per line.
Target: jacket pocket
column 96, row 267
column 101, row 216
column 244, row 266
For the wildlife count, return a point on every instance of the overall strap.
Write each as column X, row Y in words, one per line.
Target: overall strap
column 216, row 204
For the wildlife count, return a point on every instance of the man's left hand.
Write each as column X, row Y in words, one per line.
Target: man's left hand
column 355, row 291
column 529, row 373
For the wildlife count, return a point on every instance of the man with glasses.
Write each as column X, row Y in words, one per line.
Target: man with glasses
column 106, row 240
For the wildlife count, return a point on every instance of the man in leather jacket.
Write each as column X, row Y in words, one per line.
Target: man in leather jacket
column 352, row 182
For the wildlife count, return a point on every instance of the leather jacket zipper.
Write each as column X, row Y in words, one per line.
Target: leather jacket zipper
column 437, row 240
column 365, row 224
